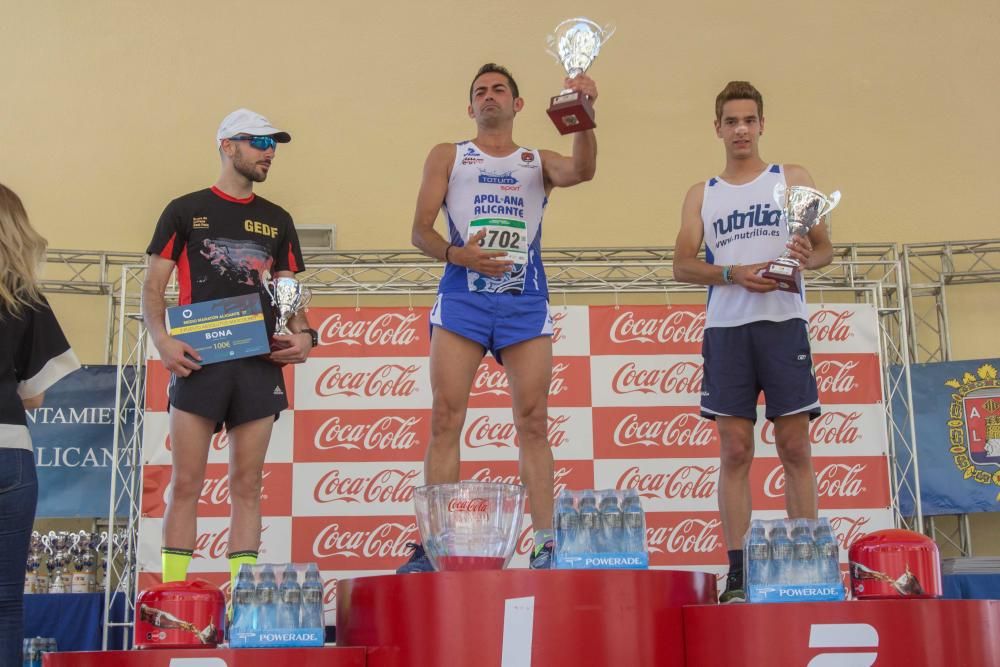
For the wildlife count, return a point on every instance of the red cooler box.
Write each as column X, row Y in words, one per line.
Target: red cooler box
column 180, row 614
column 895, row 563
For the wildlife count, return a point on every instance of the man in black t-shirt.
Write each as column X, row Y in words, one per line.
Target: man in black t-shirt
column 221, row 241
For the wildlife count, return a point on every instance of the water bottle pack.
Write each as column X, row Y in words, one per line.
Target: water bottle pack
column 600, row 530
column 277, row 605
column 792, row 560
column 34, row 648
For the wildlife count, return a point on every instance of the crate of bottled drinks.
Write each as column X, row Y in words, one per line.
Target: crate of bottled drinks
column 277, row 605
column 792, row 560
column 600, row 530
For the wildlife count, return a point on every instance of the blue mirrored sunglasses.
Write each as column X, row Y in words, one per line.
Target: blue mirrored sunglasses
column 260, row 143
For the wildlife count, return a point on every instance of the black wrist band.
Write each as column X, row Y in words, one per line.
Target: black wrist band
column 446, row 251
column 313, row 336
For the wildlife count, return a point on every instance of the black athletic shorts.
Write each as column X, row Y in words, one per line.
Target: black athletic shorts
column 231, row 392
column 773, row 357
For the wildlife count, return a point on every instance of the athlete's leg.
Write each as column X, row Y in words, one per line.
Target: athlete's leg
column 736, row 444
column 791, row 435
column 189, row 440
column 453, row 364
column 529, row 371
column 247, row 449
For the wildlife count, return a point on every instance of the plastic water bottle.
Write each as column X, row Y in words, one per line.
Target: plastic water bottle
column 757, row 552
column 312, row 598
column 634, row 524
column 803, row 553
column 590, row 524
column 567, row 526
column 267, row 600
column 611, row 524
column 289, row 599
column 33, row 652
column 827, row 554
column 781, row 556
column 244, row 600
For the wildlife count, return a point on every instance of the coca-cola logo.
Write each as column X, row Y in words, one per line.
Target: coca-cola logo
column 494, row 382
column 525, row 541
column 213, row 545
column 215, row 491
column 471, row 505
column 848, row 529
column 834, row 376
column 689, row 536
column 386, row 486
column 830, row 428
column 683, row 377
column 330, row 594
column 387, row 540
column 388, row 432
column 483, row 432
column 560, row 477
column 387, row 329
column 830, row 325
column 686, row 482
column 557, row 329
column 388, row 380
column 834, row 480
column 677, row 326
column 684, row 429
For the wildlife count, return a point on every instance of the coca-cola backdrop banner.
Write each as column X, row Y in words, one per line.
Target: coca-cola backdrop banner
column 72, row 435
column 623, row 413
column 956, row 407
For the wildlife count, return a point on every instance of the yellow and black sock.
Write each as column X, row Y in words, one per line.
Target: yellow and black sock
column 175, row 563
column 236, row 559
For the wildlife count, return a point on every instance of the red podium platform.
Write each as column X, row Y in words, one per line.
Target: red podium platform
column 914, row 633
column 245, row 657
column 557, row 618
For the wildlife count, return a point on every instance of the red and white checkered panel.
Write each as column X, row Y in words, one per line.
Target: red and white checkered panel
column 626, row 381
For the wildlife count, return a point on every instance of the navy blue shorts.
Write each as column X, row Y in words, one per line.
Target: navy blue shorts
column 231, row 392
column 495, row 321
column 772, row 357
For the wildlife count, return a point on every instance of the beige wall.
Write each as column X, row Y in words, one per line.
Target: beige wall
column 108, row 109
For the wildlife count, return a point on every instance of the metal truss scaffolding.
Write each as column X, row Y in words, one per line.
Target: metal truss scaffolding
column 932, row 271
column 860, row 273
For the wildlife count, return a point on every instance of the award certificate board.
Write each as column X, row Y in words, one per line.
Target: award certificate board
column 222, row 329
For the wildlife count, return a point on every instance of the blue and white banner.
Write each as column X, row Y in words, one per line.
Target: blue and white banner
column 72, row 435
column 956, row 408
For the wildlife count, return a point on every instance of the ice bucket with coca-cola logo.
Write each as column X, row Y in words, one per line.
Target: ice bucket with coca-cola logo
column 469, row 525
column 895, row 563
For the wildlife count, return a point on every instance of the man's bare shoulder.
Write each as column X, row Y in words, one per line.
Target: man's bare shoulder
column 696, row 192
column 796, row 174
column 442, row 151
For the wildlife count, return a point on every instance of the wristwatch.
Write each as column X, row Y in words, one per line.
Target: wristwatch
column 313, row 335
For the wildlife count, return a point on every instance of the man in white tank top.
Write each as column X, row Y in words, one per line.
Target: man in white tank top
column 493, row 295
column 755, row 335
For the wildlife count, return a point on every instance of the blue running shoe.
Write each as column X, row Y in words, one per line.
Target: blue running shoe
column 419, row 562
column 542, row 558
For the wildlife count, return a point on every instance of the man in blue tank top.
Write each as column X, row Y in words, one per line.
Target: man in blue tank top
column 493, row 295
column 756, row 336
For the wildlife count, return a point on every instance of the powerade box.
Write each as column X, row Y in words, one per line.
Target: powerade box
column 277, row 605
column 792, row 560
column 600, row 530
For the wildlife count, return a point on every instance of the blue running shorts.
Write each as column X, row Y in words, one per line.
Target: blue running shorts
column 743, row 361
column 495, row 321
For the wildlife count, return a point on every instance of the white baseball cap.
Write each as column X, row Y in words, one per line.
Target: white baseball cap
column 244, row 121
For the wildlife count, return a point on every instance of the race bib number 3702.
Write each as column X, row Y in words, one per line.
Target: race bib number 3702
column 503, row 235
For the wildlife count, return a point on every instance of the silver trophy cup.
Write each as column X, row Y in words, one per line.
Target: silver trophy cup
column 288, row 296
column 575, row 44
column 804, row 208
